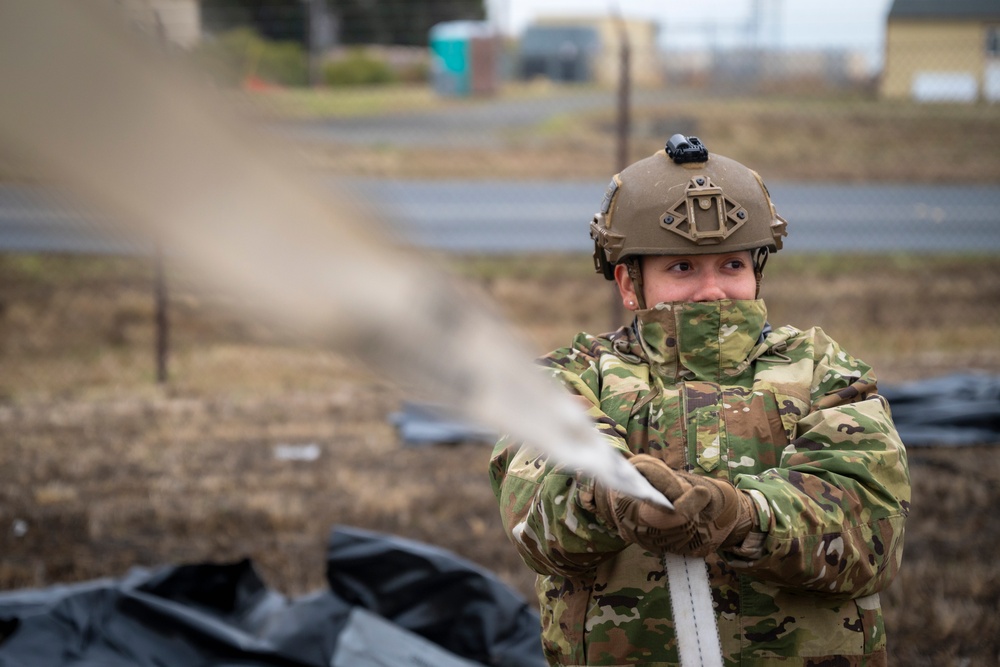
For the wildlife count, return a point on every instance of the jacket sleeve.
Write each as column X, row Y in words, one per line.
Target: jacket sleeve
column 833, row 508
column 547, row 510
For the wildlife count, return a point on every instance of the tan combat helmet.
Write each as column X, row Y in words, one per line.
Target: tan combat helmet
column 683, row 201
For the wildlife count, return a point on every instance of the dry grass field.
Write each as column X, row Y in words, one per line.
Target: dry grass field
column 104, row 469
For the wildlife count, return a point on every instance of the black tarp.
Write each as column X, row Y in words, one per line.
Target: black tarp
column 425, row 424
column 391, row 603
column 952, row 410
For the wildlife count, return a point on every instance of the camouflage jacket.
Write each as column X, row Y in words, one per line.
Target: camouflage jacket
column 786, row 415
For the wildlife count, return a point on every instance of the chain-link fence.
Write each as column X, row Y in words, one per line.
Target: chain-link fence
column 489, row 151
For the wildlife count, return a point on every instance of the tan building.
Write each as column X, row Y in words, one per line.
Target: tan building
column 942, row 50
column 645, row 64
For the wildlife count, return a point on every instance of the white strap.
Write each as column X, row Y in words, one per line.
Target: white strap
column 694, row 617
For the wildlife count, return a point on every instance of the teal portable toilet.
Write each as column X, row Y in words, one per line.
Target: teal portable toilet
column 463, row 57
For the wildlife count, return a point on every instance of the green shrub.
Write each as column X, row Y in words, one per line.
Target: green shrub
column 358, row 68
column 233, row 56
column 284, row 63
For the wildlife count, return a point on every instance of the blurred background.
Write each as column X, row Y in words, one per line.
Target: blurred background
column 142, row 422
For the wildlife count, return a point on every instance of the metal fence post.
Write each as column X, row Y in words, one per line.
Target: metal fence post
column 162, row 322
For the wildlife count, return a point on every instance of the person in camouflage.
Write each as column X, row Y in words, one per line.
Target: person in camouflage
column 782, row 461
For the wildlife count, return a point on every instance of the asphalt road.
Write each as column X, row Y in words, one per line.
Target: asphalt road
column 40, row 219
column 517, row 217
column 503, row 217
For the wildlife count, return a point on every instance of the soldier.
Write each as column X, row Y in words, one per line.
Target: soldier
column 782, row 461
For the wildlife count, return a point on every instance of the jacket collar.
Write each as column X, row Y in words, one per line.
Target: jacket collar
column 706, row 341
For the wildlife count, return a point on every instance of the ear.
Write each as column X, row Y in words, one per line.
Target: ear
column 626, row 287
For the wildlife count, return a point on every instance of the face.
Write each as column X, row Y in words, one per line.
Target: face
column 690, row 278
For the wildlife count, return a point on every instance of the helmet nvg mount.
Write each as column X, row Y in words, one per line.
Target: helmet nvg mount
column 682, row 201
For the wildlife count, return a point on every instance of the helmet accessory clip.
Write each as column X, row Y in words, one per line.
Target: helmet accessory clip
column 683, row 149
column 704, row 215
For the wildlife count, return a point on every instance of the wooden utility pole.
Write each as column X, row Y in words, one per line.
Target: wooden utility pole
column 159, row 275
column 623, row 124
column 623, row 129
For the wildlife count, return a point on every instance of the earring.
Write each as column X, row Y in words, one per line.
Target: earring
column 631, row 303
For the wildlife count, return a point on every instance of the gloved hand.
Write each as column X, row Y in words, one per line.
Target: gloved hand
column 708, row 513
column 725, row 521
column 654, row 528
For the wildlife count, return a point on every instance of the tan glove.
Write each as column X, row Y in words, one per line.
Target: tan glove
column 725, row 521
column 708, row 513
column 653, row 527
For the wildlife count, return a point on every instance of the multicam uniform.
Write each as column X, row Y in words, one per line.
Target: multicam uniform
column 786, row 415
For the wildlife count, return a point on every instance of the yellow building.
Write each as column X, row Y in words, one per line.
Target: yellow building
column 942, row 50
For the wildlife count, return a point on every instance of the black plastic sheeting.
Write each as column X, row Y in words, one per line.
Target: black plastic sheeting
column 949, row 411
column 391, row 603
column 420, row 424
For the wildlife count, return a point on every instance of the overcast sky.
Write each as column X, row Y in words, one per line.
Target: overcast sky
column 854, row 24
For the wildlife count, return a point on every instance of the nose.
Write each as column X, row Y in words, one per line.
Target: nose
column 708, row 289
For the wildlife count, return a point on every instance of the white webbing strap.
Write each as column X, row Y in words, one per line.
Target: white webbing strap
column 694, row 617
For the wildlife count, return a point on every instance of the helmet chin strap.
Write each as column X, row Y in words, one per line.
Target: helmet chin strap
column 632, row 264
column 760, row 256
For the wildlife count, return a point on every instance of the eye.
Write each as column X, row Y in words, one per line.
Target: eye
column 735, row 264
column 680, row 266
